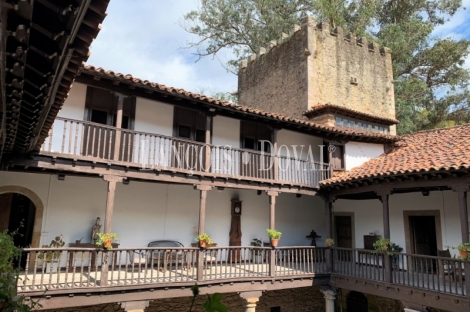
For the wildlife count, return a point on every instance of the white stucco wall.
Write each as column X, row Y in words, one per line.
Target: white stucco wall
column 153, row 117
column 358, row 153
column 145, row 212
column 74, row 105
column 368, row 215
column 226, row 131
column 288, row 139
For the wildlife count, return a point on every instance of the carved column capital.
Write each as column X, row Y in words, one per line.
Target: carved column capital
column 251, row 294
column 112, row 178
column 203, row 187
column 272, row 193
column 329, row 294
column 134, row 306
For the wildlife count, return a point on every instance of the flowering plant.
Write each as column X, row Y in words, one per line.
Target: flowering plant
column 105, row 240
column 48, row 256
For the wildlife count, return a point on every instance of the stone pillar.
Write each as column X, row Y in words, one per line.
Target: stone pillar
column 134, row 306
column 251, row 298
column 330, row 295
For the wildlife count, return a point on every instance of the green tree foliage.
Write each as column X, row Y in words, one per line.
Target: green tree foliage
column 431, row 84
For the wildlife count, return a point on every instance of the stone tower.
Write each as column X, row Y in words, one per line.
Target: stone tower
column 321, row 74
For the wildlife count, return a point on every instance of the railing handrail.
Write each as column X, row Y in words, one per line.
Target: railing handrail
column 242, row 150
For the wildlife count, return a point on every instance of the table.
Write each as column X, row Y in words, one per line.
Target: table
column 93, row 253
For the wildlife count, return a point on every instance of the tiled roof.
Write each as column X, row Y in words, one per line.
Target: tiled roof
column 426, row 151
column 109, row 74
column 323, row 108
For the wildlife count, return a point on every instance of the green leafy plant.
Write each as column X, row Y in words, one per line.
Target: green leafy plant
column 105, row 240
column 256, row 243
column 48, row 256
column 382, row 244
column 212, row 304
column 329, row 242
column 463, row 247
column 204, row 238
column 10, row 301
column 274, row 234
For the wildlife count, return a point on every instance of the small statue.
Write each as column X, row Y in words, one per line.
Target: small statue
column 95, row 230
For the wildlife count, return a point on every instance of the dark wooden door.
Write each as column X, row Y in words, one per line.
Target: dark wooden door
column 343, row 225
column 423, row 240
column 423, row 231
column 343, row 231
column 357, row 302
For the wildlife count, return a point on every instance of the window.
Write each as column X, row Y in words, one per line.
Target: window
column 275, row 309
column 253, row 136
column 190, row 124
column 345, row 123
column 337, row 157
column 101, row 107
column 338, row 121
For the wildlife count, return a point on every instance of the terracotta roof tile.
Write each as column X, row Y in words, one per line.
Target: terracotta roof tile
column 322, row 108
column 426, row 151
column 89, row 69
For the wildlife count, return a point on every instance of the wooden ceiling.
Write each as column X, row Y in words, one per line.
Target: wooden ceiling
column 44, row 43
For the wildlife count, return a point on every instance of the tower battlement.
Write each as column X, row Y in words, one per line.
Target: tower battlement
column 313, row 65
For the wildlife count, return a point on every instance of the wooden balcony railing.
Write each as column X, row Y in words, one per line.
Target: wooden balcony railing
column 91, row 141
column 443, row 275
column 90, row 268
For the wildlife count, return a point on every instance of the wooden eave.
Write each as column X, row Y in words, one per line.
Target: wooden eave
column 131, row 88
column 45, row 43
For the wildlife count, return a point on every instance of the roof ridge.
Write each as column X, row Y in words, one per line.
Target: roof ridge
column 435, row 129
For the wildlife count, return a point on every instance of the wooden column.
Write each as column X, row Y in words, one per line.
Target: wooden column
column 274, row 153
column 108, row 218
column 386, row 215
column 462, row 196
column 117, row 141
column 461, row 191
column 329, row 232
column 272, row 225
column 386, row 222
column 208, row 142
column 201, row 226
column 272, row 208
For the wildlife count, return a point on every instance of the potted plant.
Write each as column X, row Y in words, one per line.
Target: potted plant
column 395, row 248
column 463, row 249
column 105, row 240
column 204, row 240
column 256, row 253
column 52, row 257
column 274, row 235
column 329, row 242
column 382, row 244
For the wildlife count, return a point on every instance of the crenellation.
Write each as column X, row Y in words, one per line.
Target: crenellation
column 314, row 65
column 337, row 32
column 324, row 27
column 362, row 42
column 262, row 51
column 385, row 51
column 374, row 47
column 294, row 28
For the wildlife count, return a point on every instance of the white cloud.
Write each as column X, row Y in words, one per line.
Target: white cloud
column 144, row 38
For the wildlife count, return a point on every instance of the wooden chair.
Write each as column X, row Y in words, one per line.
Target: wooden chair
column 446, row 269
column 137, row 258
column 167, row 257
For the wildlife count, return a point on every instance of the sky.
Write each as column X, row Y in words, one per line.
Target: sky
column 144, row 38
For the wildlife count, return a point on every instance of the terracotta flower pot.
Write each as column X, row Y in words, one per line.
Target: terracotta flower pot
column 463, row 254
column 107, row 243
column 274, row 242
column 202, row 244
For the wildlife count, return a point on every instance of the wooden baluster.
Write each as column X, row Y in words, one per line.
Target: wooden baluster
column 51, row 137
column 63, row 137
column 70, row 137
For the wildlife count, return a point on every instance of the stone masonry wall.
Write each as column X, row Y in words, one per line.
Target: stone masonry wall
column 277, row 81
column 306, row 299
column 314, row 65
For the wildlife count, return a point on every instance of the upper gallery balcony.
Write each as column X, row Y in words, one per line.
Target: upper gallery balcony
column 88, row 141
